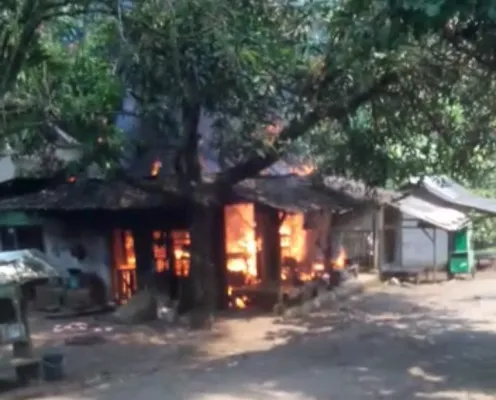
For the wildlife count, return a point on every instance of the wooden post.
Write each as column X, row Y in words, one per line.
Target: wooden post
column 144, row 256
column 23, row 348
column 378, row 238
column 327, row 250
column 267, row 226
column 434, row 276
column 219, row 255
column 399, row 235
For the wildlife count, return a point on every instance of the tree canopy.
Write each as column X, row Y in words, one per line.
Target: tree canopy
column 376, row 90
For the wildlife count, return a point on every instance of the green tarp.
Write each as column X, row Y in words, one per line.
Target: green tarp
column 18, row 218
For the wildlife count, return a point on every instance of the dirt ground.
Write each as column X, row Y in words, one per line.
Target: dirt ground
column 433, row 341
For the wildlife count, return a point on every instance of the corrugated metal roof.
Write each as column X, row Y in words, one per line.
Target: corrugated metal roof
column 358, row 190
column 443, row 217
column 91, row 194
column 22, row 266
column 290, row 193
column 451, row 192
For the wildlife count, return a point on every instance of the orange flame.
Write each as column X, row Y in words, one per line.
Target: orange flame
column 318, row 267
column 298, row 251
column 293, row 237
column 156, row 166
column 241, row 244
column 340, row 261
column 239, row 302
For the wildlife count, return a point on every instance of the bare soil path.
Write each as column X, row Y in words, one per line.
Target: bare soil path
column 434, row 341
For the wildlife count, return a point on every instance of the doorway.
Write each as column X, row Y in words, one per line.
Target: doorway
column 124, row 279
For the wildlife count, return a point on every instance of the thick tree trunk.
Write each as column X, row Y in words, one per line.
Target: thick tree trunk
column 218, row 236
column 203, row 273
column 144, row 256
column 328, row 266
column 378, row 238
column 267, row 225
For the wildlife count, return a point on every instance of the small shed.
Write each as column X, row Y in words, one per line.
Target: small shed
column 431, row 211
column 419, row 233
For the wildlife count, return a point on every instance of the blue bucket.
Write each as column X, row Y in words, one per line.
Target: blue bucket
column 73, row 282
column 52, row 366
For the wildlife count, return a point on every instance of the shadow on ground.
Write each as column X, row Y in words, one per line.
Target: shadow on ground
column 379, row 346
column 98, row 350
column 382, row 346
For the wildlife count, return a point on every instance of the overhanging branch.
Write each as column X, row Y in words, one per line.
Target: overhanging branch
column 299, row 126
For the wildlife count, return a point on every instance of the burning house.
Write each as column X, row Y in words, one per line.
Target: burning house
column 273, row 231
column 270, row 231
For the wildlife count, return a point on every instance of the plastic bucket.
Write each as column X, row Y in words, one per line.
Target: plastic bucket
column 52, row 366
column 73, row 282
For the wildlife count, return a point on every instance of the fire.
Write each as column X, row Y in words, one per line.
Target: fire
column 318, row 267
column 125, row 279
column 303, row 169
column 293, row 237
column 340, row 261
column 181, row 242
column 296, row 248
column 239, row 302
column 241, row 244
column 156, row 166
column 301, row 252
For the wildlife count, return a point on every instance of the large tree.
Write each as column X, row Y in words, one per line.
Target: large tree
column 438, row 119
column 379, row 84
column 247, row 64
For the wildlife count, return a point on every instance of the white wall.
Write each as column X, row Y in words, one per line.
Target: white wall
column 60, row 239
column 7, row 168
column 418, row 247
column 414, row 249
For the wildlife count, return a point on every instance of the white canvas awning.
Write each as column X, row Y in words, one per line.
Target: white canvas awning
column 23, row 266
column 442, row 217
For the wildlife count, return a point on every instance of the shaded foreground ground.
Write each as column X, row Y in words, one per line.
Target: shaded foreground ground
column 433, row 341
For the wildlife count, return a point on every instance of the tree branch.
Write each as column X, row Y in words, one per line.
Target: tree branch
column 298, row 127
column 461, row 44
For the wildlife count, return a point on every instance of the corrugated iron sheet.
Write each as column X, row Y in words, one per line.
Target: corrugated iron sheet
column 451, row 192
column 290, row 193
column 90, row 194
column 442, row 217
column 359, row 191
